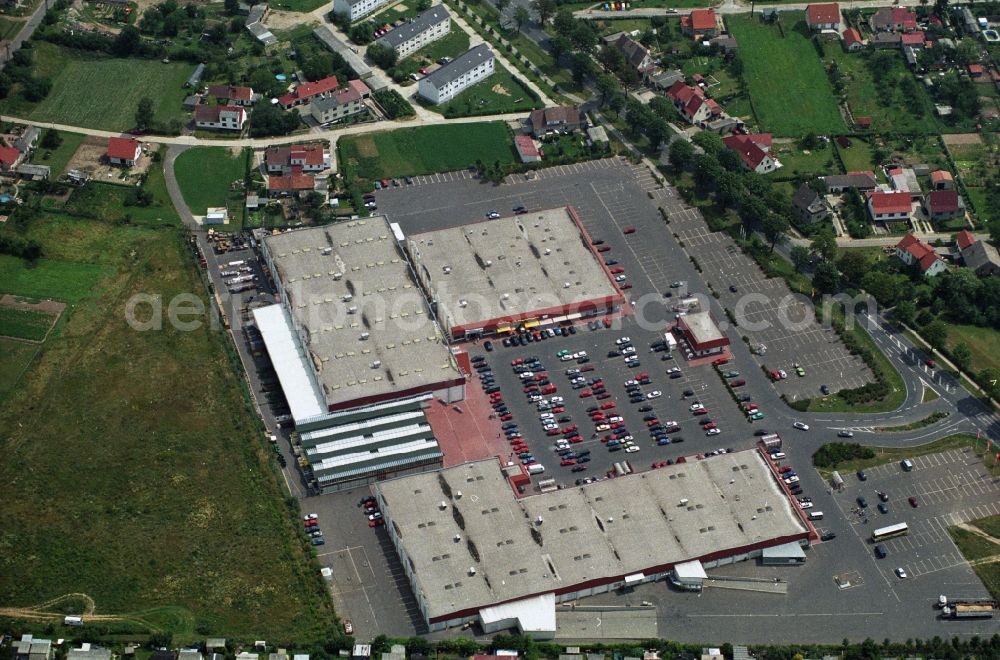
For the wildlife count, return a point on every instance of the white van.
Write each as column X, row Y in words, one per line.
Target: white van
column 907, row 465
column 778, row 455
column 815, row 515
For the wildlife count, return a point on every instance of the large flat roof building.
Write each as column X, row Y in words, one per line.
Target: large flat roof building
column 353, row 313
column 702, row 334
column 489, row 276
column 468, row 544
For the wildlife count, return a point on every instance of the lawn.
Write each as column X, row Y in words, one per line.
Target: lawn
column 795, row 160
column 205, row 175
column 57, row 159
column 452, row 45
column 427, row 149
column 974, row 546
column 857, row 157
column 499, row 94
column 8, row 27
column 124, row 484
column 983, row 342
column 297, row 5
column 885, row 455
column 49, row 278
column 96, row 92
column 891, row 110
column 789, row 89
column 24, row 323
column 15, row 357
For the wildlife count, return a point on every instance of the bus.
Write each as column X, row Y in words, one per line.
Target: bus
column 883, row 533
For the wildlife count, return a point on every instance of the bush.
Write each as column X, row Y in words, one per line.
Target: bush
column 833, row 453
column 393, row 103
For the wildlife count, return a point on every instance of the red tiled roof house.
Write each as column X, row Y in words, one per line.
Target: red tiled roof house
column 942, row 180
column 10, row 158
column 229, row 95
column 943, row 204
column 824, row 16
column 889, row 206
column 852, row 40
column 296, row 159
column 222, row 117
column 293, row 184
column 913, row 251
column 894, row 19
column 700, row 24
column 124, row 151
column 753, row 151
column 307, row 91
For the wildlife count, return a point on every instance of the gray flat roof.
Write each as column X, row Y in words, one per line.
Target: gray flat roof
column 702, row 327
column 417, row 26
column 345, row 281
column 604, row 530
column 510, row 266
column 462, row 64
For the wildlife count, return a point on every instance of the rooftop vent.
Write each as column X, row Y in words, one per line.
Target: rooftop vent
column 472, row 570
column 446, row 269
column 376, row 364
column 443, row 505
column 684, row 502
column 538, row 520
column 352, row 310
column 365, row 335
column 457, row 538
column 337, row 276
column 348, row 297
column 328, row 250
column 458, row 494
column 462, row 302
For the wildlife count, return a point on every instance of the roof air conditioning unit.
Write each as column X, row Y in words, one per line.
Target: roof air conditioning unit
column 447, row 269
column 364, row 335
column 337, row 276
column 548, row 251
column 457, row 538
column 610, row 519
column 489, row 262
column 505, row 296
column 458, row 494
column 443, row 505
column 348, row 297
column 328, row 250
column 352, row 310
column 463, row 303
column 567, row 285
column 376, row 364
column 684, row 502
column 538, row 520
column 472, row 570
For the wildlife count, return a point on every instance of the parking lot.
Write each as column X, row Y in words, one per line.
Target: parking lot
column 781, row 326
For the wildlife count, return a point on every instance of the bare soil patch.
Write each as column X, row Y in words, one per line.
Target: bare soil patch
column 961, row 138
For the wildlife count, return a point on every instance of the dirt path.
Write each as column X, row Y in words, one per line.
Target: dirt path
column 40, row 612
column 978, row 532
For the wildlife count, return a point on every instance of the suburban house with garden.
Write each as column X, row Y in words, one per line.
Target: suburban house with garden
column 890, row 206
column 700, row 24
column 472, row 66
column 980, row 256
column 560, row 119
column 822, row 17
column 852, row 40
column 944, row 205
column 426, row 28
column 124, row 151
column 341, row 104
column 10, row 158
column 809, row 205
column 692, row 103
column 230, row 95
column 309, row 91
column 296, row 159
column 753, row 150
column 355, row 9
column 893, row 19
column 914, row 252
column 220, row 117
column 636, row 55
column 293, row 184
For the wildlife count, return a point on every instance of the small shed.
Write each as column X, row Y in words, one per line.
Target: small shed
column 191, row 101
column 689, row 575
column 786, row 554
column 35, row 173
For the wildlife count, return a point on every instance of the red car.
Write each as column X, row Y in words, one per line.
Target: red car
column 652, row 422
column 720, row 361
column 738, row 383
column 628, row 230
column 603, row 248
column 626, row 285
column 618, row 425
column 930, row 363
column 567, row 461
column 607, row 321
column 312, row 522
column 703, row 411
column 603, row 395
column 641, row 376
column 557, row 410
column 586, row 368
column 775, row 375
column 516, row 362
column 783, row 470
column 575, row 439
column 609, row 404
column 709, row 426
column 672, row 429
column 530, row 388
column 549, row 389
column 378, row 522
column 617, row 270
column 506, row 418
column 569, row 429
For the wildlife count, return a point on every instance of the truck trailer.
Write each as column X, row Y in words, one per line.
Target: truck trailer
column 979, row 608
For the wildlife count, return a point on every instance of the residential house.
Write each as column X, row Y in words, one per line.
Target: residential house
column 472, row 66
column 10, row 158
column 230, row 95
column 343, row 103
column 192, row 654
column 221, row 117
column 124, row 151
column 30, row 648
column 426, row 28
column 526, row 149
column 976, row 71
column 636, row 55
column 852, row 40
column 753, row 151
column 296, row 159
column 894, row 19
column 309, row 91
column 560, row 119
column 664, row 80
column 700, row 24
column 838, row 183
column 894, row 206
column 293, row 184
column 824, row 16
column 882, row 40
column 355, row 9
column 195, row 80
column 25, row 142
column 942, row 180
column 262, row 34
column 89, row 652
column 724, row 42
column 691, row 102
column 808, row 205
column 943, row 205
column 980, row 256
column 914, row 252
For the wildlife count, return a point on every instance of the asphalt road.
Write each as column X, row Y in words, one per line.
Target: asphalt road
column 24, row 33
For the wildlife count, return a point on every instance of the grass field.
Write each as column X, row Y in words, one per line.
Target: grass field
column 101, row 93
column 885, row 455
column 974, row 547
column 788, row 86
column 24, row 323
column 15, row 358
column 57, row 159
column 857, row 157
column 205, row 175
column 893, row 110
column 982, row 341
column 427, row 149
column 795, row 160
column 453, row 45
column 50, row 278
column 8, row 27
column 140, row 460
column 500, row 93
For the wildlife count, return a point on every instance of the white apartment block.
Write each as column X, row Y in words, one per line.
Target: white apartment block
column 467, row 69
column 355, row 9
column 422, row 30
